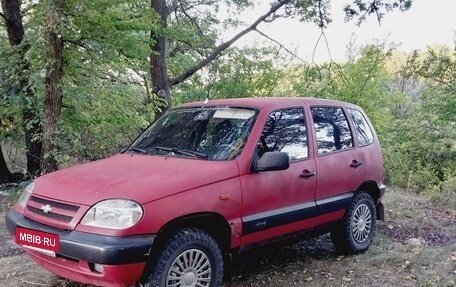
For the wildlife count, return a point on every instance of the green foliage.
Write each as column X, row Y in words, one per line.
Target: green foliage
column 449, row 185
column 107, row 91
column 10, row 118
column 311, row 10
column 11, row 100
column 244, row 73
column 105, row 64
column 412, row 109
column 362, row 81
column 100, row 122
column 422, row 147
column 107, row 45
column 248, row 72
column 360, row 9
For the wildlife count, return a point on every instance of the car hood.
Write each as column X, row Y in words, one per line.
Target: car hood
column 138, row 177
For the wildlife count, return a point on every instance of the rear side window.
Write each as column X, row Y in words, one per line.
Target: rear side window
column 363, row 131
column 285, row 131
column 332, row 129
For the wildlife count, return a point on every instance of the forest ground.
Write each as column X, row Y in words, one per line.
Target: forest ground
column 414, row 246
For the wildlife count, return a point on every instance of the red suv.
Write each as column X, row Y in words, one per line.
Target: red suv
column 205, row 181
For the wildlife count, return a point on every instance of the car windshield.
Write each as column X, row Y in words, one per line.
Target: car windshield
column 214, row 133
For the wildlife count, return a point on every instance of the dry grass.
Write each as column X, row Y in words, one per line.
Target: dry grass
column 392, row 260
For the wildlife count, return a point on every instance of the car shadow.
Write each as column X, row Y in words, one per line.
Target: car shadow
column 277, row 256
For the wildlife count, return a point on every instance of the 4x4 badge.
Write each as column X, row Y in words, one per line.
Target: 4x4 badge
column 46, row 208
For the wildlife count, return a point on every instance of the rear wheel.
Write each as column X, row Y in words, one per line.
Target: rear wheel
column 190, row 258
column 356, row 231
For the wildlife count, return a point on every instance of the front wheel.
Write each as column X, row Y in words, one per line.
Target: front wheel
column 190, row 258
column 356, row 231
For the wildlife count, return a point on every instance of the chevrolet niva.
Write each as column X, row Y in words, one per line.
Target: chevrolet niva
column 205, row 181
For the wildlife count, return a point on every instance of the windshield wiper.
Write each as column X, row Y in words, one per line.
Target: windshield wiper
column 139, row 150
column 182, row 151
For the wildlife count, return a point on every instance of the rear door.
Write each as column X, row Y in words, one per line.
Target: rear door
column 280, row 202
column 340, row 168
column 368, row 144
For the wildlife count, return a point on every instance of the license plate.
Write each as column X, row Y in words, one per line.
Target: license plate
column 37, row 239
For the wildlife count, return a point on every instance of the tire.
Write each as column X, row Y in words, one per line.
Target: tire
column 189, row 258
column 356, row 231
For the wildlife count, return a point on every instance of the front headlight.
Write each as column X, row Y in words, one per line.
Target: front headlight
column 113, row 214
column 25, row 195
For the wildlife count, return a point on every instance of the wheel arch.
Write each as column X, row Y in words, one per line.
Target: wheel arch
column 212, row 223
column 371, row 187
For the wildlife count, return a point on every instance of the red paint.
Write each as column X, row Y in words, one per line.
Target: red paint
column 225, row 196
column 172, row 188
column 112, row 276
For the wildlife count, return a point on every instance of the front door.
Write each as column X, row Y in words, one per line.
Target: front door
column 280, row 202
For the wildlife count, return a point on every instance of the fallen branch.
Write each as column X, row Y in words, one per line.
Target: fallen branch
column 33, row 283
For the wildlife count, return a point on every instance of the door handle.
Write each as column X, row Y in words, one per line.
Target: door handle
column 355, row 163
column 306, row 174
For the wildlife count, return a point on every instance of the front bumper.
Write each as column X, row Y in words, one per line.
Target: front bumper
column 122, row 258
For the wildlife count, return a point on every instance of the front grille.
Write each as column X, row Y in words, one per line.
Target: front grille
column 61, row 205
column 59, row 211
column 57, row 216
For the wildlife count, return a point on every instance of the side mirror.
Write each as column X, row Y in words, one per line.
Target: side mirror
column 273, row 160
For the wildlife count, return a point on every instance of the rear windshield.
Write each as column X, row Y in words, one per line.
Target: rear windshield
column 214, row 133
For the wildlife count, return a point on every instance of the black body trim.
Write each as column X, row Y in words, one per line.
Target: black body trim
column 273, row 218
column 291, row 238
column 95, row 248
column 380, row 210
column 334, row 203
column 269, row 219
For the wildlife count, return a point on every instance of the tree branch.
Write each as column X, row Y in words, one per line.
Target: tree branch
column 280, row 45
column 3, row 16
column 78, row 42
column 197, row 4
column 170, row 9
column 190, row 45
column 195, row 23
column 222, row 47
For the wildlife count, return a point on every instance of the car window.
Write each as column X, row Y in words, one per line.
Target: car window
column 285, row 131
column 332, row 129
column 214, row 133
column 363, row 131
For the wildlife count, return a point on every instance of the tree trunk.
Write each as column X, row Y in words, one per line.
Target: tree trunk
column 31, row 120
column 53, row 82
column 5, row 174
column 33, row 133
column 161, row 84
column 158, row 70
column 13, row 20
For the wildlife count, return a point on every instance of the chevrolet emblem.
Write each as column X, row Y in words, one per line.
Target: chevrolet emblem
column 46, row 208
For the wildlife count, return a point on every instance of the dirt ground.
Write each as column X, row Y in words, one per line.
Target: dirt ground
column 414, row 246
